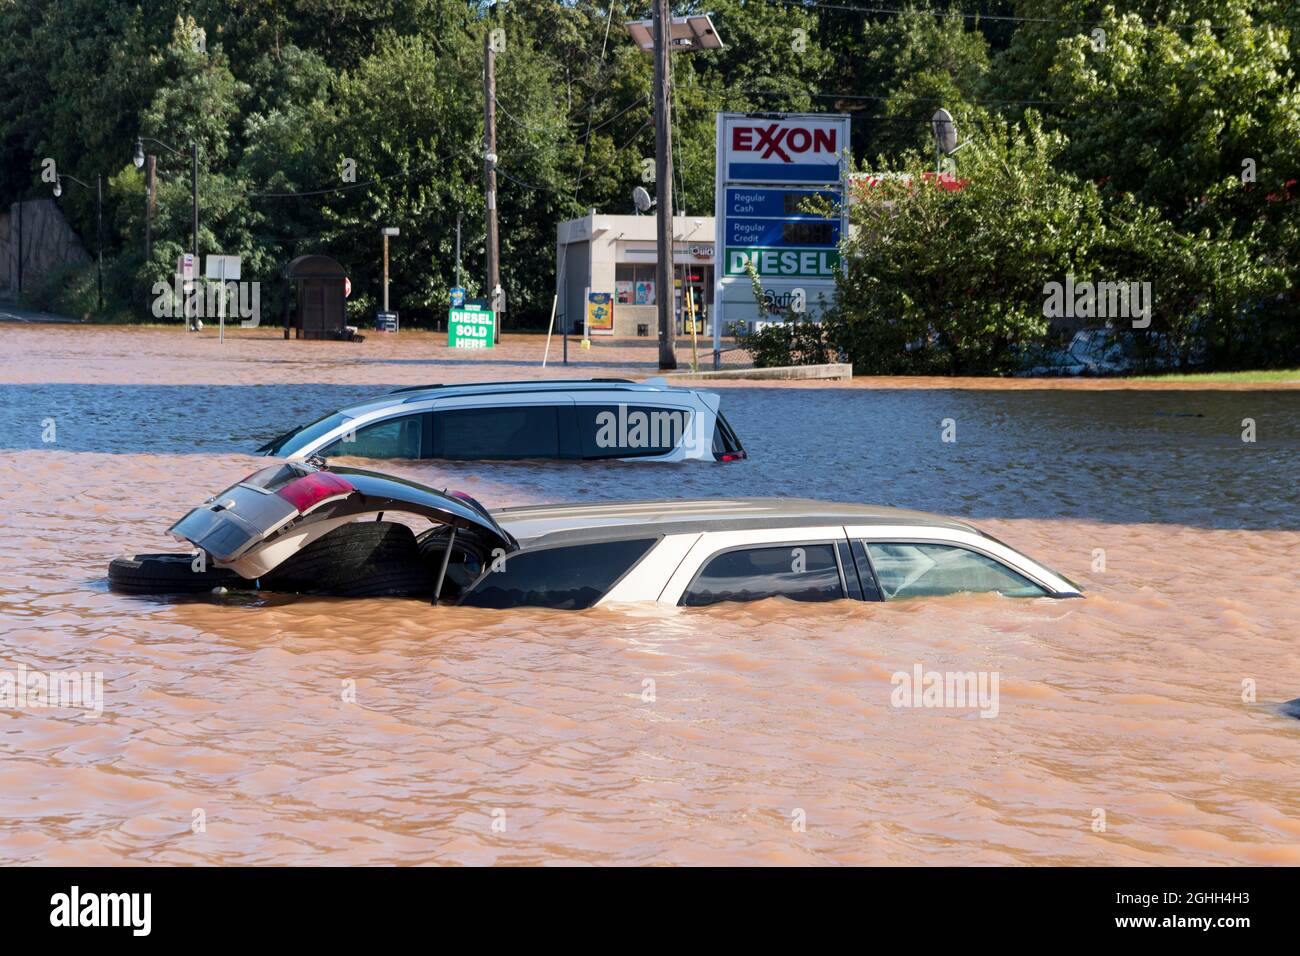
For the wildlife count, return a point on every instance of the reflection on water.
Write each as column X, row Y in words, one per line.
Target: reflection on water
column 1123, row 456
column 323, row 730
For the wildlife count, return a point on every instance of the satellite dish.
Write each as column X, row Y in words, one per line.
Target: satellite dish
column 642, row 199
column 945, row 130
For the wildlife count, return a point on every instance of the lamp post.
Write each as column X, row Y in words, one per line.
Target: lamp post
column 138, row 158
column 661, row 36
column 99, row 225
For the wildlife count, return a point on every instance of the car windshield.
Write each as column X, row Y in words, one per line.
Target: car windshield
column 292, row 441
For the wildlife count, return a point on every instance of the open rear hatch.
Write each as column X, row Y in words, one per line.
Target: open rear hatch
column 254, row 526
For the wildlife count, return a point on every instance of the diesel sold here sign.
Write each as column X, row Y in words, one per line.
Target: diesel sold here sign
column 803, row 148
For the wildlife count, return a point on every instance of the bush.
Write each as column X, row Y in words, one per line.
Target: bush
column 69, row 290
column 795, row 342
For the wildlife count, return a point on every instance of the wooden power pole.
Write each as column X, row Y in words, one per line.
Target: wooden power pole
column 664, row 291
column 490, row 168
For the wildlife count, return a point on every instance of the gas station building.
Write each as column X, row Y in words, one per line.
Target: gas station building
column 616, row 255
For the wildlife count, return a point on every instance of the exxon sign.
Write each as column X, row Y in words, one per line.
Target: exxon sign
column 790, row 149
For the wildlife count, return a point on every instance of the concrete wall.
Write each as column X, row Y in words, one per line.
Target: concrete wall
column 48, row 243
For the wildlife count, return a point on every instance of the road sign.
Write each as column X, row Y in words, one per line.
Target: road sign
column 471, row 328
column 457, row 298
column 223, row 268
column 385, row 321
column 347, row 287
column 185, row 266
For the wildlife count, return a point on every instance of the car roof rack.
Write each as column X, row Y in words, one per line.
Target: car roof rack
column 416, row 388
column 559, row 382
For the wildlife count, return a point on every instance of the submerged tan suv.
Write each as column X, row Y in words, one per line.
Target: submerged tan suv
column 303, row 526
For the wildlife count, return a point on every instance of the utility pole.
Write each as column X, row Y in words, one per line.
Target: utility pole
column 664, row 291
column 458, row 282
column 99, row 236
column 151, row 179
column 194, row 185
column 490, row 166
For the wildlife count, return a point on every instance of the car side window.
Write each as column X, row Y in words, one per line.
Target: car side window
column 569, row 578
column 800, row 572
column 392, row 438
column 916, row 570
column 497, row 432
column 631, row 431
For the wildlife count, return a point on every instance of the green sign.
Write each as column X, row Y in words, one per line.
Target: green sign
column 773, row 263
column 471, row 328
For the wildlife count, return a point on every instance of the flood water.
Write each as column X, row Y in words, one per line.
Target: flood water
column 1136, row 726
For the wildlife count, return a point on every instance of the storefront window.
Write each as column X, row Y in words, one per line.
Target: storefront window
column 634, row 284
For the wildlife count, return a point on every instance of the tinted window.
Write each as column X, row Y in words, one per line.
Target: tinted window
column 914, row 570
column 471, row 434
column 392, row 438
column 800, row 572
column 630, row 431
column 571, row 578
column 725, row 441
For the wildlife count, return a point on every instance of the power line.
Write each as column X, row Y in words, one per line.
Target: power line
column 1005, row 18
column 339, row 189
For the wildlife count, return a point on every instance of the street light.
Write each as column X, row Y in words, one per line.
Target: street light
column 137, row 157
column 99, row 225
column 685, row 34
column 661, row 36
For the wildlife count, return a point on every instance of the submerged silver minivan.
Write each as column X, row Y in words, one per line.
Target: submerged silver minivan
column 585, row 419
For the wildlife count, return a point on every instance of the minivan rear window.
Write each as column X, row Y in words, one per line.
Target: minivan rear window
column 725, row 441
column 631, row 431
column 568, row 578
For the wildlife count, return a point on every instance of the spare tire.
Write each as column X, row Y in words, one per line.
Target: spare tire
column 359, row 559
column 168, row 574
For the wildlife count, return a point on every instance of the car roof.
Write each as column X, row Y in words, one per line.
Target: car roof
column 618, row 520
column 423, row 393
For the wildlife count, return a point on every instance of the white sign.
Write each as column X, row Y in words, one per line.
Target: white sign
column 185, row 266
column 221, row 267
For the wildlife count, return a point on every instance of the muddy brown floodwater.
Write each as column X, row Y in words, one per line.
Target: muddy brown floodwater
column 759, row 733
